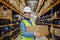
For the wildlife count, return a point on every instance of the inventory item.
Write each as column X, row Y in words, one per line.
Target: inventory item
column 4, row 12
column 56, row 22
column 57, row 32
column 9, row 14
column 57, row 14
column 2, row 31
column 4, row 22
column 42, row 29
column 1, row 11
column 14, row 21
column 7, row 29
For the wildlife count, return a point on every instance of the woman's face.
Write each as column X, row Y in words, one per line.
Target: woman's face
column 27, row 14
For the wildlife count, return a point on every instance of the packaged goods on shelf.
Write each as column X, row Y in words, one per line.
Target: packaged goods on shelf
column 6, row 0
column 45, row 5
column 4, row 22
column 57, row 32
column 57, row 14
column 18, row 1
column 50, row 1
column 14, row 21
column 9, row 13
column 6, row 13
column 10, row 1
column 5, row 30
column 1, row 11
column 2, row 32
column 56, row 22
column 14, row 3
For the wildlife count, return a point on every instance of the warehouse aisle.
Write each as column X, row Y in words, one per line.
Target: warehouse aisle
column 44, row 13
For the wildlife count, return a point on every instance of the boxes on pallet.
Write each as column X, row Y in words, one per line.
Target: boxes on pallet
column 42, row 29
column 1, row 12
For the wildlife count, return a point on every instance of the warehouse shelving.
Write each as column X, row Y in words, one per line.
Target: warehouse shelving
column 45, row 17
column 12, row 25
column 53, row 25
column 49, row 24
column 53, row 18
column 47, row 9
column 6, row 18
column 8, row 25
column 10, row 6
column 16, row 35
column 10, row 33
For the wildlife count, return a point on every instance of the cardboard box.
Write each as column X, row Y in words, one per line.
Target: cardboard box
column 9, row 14
column 1, row 11
column 57, row 32
column 42, row 29
column 14, row 3
column 18, row 1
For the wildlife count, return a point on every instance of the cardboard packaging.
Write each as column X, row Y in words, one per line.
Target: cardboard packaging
column 42, row 29
column 57, row 32
column 14, row 3
column 9, row 14
column 1, row 12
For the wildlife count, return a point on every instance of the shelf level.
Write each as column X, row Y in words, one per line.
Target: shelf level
column 6, row 18
column 54, row 25
column 50, row 7
column 10, row 6
column 53, row 18
column 16, row 35
column 9, row 33
column 8, row 25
